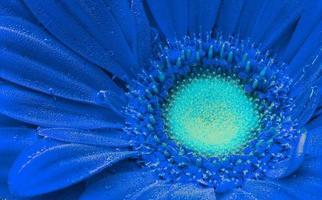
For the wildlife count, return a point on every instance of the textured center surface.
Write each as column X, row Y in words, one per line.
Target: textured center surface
column 211, row 115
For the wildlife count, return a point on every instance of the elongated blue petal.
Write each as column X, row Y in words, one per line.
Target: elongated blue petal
column 144, row 41
column 281, row 27
column 16, row 8
column 49, row 166
column 84, row 137
column 12, row 142
column 13, row 139
column 9, row 122
column 119, row 185
column 306, row 183
column 32, row 58
column 101, row 31
column 314, row 140
column 305, row 67
column 191, row 191
column 228, row 16
column 202, row 15
column 161, row 12
column 175, row 191
column 70, row 193
column 248, row 16
column 237, row 194
column 268, row 12
column 177, row 18
column 267, row 190
column 316, row 122
column 308, row 21
column 306, row 104
column 40, row 109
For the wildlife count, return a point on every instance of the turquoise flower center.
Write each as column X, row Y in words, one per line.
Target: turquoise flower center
column 211, row 111
column 211, row 115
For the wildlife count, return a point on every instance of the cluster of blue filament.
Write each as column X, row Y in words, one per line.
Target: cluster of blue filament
column 263, row 80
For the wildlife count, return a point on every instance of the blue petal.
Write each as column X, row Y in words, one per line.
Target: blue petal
column 306, row 104
column 32, row 58
column 175, row 191
column 228, row 16
column 190, row 191
column 12, row 142
column 287, row 167
column 305, row 67
column 177, row 18
column 50, row 166
column 248, row 16
column 269, row 23
column 314, row 140
column 9, row 122
column 161, row 12
column 84, row 137
column 139, row 184
column 143, row 48
column 306, row 183
column 281, row 27
column 269, row 11
column 268, row 190
column 315, row 124
column 237, row 194
column 119, row 185
column 304, row 186
column 70, row 193
column 40, row 109
column 309, row 20
column 16, row 8
column 202, row 15
column 94, row 29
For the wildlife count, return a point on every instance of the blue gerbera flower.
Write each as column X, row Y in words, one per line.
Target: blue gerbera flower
column 171, row 99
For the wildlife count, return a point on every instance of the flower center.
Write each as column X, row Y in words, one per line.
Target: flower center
column 211, row 115
column 213, row 112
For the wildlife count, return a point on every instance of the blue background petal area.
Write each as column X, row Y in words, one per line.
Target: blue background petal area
column 104, row 32
column 50, row 111
column 314, row 141
column 139, row 184
column 287, row 167
column 70, row 193
column 177, row 18
column 228, row 16
column 173, row 191
column 59, row 89
column 106, row 138
column 16, row 8
column 309, row 20
column 49, row 166
column 119, row 185
column 305, row 183
column 13, row 140
column 6, row 121
column 32, row 58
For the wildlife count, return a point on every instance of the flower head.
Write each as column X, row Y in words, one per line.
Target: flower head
column 160, row 99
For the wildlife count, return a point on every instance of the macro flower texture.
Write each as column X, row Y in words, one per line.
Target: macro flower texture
column 160, row 99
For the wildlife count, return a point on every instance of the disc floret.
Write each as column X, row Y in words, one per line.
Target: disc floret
column 258, row 77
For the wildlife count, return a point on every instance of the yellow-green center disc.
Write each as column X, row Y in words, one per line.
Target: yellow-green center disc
column 211, row 115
